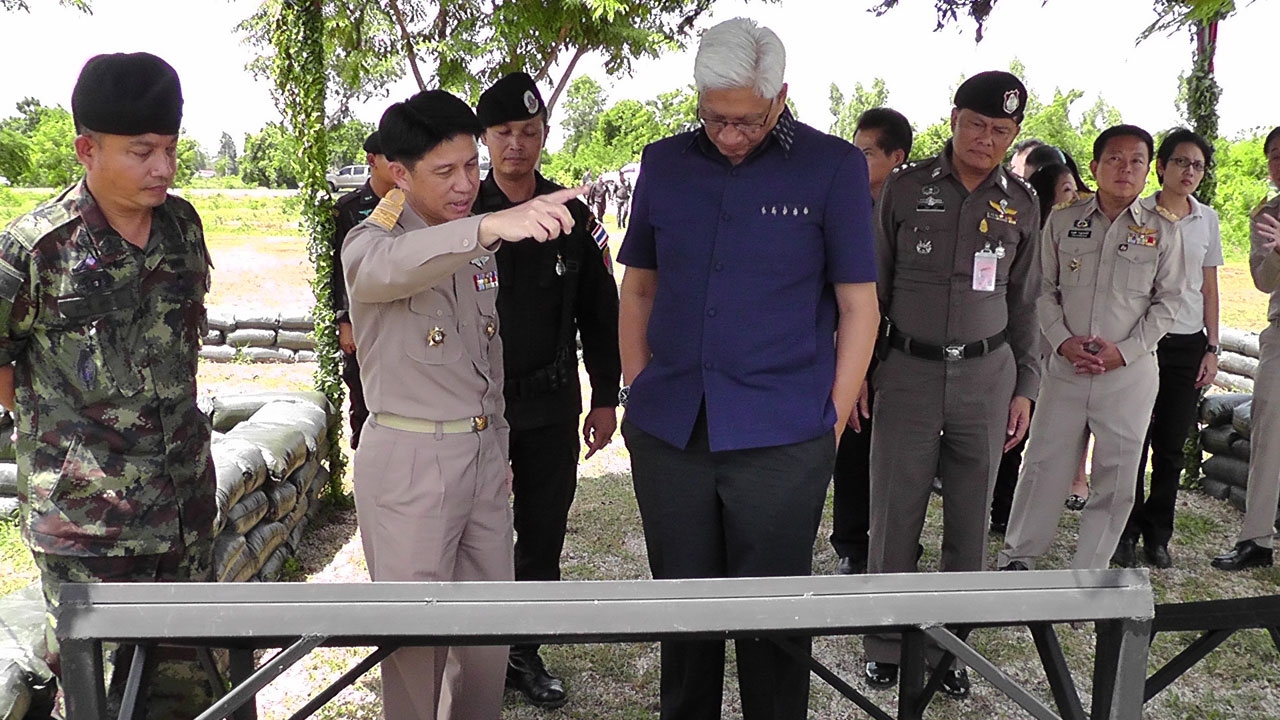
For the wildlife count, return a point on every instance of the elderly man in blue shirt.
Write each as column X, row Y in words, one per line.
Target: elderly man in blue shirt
column 748, row 315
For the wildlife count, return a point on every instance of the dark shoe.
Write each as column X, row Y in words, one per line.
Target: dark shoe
column 851, row 566
column 1076, row 502
column 1158, row 556
column 1245, row 554
column 936, row 486
column 998, row 527
column 1016, row 565
column 955, row 683
column 526, row 673
column 1126, row 554
column 881, row 674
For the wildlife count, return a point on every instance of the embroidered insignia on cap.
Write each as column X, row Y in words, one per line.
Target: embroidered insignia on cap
column 1011, row 101
column 530, row 102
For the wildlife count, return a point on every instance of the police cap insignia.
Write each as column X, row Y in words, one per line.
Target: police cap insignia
column 994, row 93
column 128, row 94
column 512, row 98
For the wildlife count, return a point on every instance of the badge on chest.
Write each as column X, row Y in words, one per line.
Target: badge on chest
column 486, row 280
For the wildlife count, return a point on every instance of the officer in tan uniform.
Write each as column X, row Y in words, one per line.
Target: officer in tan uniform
column 432, row 483
column 1113, row 279
column 957, row 239
column 1254, row 544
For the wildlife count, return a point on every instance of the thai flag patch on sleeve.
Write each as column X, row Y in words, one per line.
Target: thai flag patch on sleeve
column 601, row 236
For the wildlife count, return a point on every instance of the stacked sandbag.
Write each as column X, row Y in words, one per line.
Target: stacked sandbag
column 1238, row 362
column 1226, row 437
column 270, row 452
column 259, row 336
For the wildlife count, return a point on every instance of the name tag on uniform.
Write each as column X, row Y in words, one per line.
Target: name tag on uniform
column 1080, row 233
column 486, row 281
column 984, row 270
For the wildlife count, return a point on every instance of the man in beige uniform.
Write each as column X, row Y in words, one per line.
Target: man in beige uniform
column 1254, row 544
column 432, row 482
column 1113, row 278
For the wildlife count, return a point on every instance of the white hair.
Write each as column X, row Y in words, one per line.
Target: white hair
column 738, row 53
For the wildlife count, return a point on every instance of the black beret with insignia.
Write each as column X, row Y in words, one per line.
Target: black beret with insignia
column 514, row 97
column 994, row 93
column 373, row 144
column 128, row 94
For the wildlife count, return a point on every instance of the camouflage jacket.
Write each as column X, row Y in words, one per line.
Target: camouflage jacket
column 113, row 454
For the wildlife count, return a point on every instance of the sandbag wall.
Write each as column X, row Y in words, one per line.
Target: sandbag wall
column 270, row 455
column 1227, row 420
column 259, row 337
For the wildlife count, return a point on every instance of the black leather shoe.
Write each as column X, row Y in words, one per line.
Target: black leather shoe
column 1016, row 565
column 955, row 683
column 851, row 566
column 526, row 673
column 1158, row 556
column 1245, row 554
column 881, row 674
column 1126, row 554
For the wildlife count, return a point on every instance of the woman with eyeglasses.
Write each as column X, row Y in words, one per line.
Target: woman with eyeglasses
column 1188, row 354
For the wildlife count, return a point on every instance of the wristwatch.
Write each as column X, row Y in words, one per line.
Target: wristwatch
column 623, row 394
column 1215, row 349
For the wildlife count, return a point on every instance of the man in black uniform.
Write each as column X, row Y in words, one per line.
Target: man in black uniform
column 549, row 293
column 350, row 210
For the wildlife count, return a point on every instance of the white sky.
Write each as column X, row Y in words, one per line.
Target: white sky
column 1083, row 44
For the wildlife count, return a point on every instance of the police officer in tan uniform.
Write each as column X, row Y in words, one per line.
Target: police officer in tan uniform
column 1253, row 546
column 956, row 244
column 432, row 483
column 1113, row 279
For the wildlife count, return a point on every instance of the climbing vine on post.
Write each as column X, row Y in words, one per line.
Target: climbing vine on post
column 298, row 69
column 1203, row 93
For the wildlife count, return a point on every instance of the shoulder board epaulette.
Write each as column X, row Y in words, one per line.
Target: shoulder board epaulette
column 1064, row 204
column 1257, row 209
column 29, row 228
column 388, row 211
column 1167, row 214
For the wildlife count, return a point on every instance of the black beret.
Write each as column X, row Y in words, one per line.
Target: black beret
column 514, row 97
column 994, row 93
column 372, row 144
column 128, row 94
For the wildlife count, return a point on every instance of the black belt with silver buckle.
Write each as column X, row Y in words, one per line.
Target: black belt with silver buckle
column 898, row 341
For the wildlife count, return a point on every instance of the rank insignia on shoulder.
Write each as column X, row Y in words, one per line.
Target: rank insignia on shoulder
column 1166, row 213
column 1064, row 204
column 388, row 211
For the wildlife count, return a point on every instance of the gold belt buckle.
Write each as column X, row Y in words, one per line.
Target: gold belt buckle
column 478, row 424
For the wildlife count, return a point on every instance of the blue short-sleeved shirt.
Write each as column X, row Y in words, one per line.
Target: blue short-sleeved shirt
column 746, row 256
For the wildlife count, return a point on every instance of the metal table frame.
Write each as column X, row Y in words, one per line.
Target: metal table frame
column 300, row 617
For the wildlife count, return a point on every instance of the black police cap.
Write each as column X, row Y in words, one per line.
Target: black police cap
column 514, row 97
column 128, row 94
column 994, row 93
column 373, row 144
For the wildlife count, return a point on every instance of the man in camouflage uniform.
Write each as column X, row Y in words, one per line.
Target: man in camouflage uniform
column 101, row 313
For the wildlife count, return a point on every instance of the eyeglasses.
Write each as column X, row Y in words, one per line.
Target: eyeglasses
column 717, row 126
column 1185, row 163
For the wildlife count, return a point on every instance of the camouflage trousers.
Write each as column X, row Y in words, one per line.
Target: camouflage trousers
column 179, row 689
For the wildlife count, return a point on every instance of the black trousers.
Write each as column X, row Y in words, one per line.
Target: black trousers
column 1171, row 419
column 544, row 467
column 355, row 391
column 738, row 513
column 851, row 493
column 1007, row 480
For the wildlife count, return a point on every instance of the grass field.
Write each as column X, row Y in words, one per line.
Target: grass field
column 260, row 261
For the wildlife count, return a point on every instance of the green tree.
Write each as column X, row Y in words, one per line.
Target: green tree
column 15, row 153
column 676, row 111
column 227, row 162
column 191, row 157
column 1242, row 183
column 51, row 151
column 346, row 142
column 271, row 158
column 81, row 5
column 582, row 108
column 862, row 99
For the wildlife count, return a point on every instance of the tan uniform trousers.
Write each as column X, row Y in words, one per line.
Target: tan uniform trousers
column 1115, row 407
column 934, row 419
column 436, row 508
column 1264, row 458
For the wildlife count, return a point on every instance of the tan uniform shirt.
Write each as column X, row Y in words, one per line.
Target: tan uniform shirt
column 1264, row 264
column 1122, row 281
column 424, row 318
column 929, row 227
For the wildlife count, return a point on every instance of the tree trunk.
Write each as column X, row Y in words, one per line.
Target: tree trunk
column 1203, row 93
column 410, row 51
column 564, row 78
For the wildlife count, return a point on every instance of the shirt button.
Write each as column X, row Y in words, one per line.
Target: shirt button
column 711, row 312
